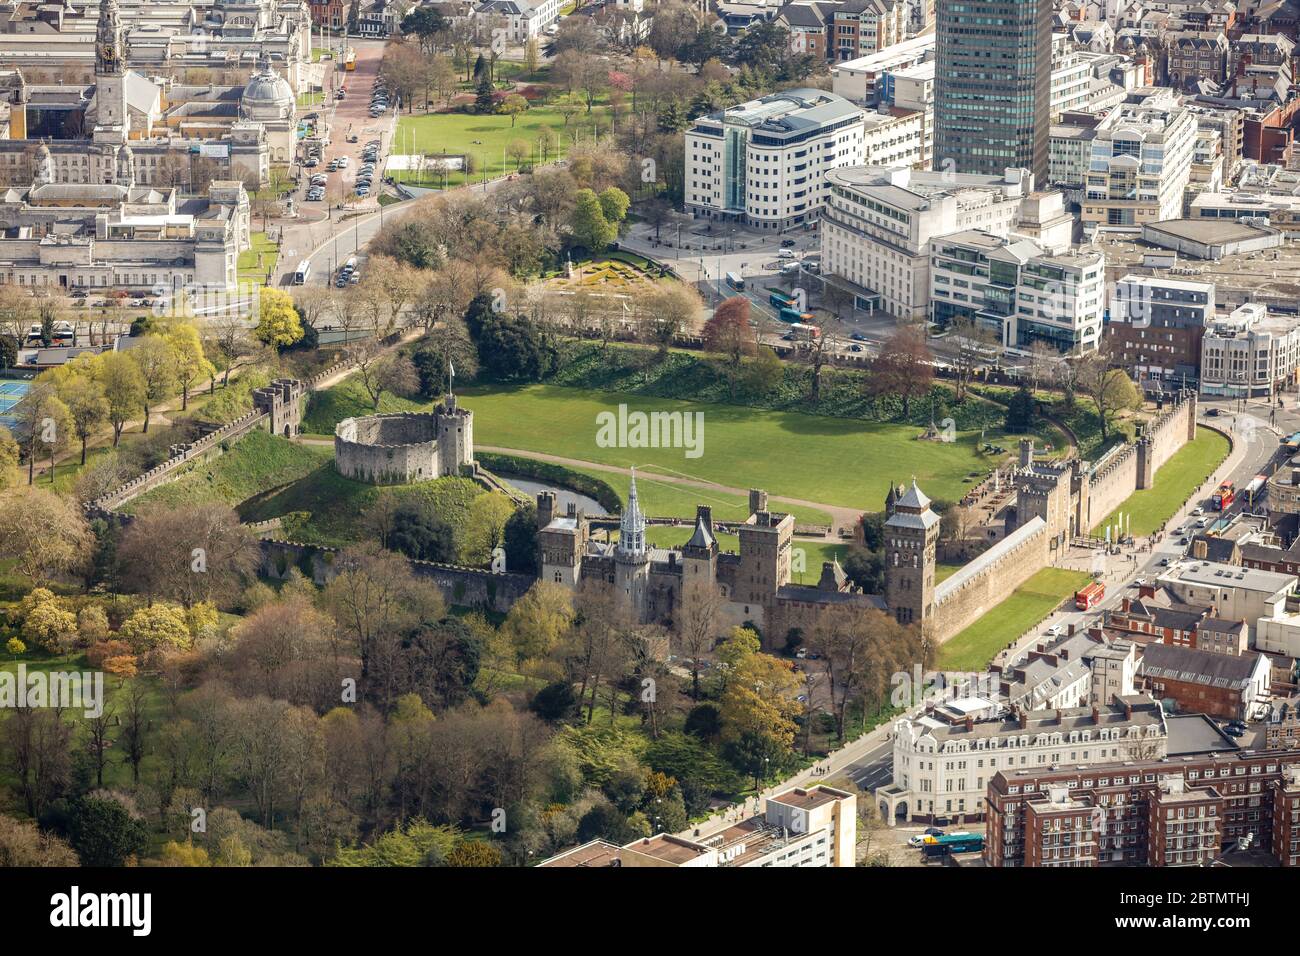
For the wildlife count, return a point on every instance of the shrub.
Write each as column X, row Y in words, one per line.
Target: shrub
column 15, row 647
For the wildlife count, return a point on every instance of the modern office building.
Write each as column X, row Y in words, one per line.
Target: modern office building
column 764, row 163
column 1141, row 163
column 1018, row 291
column 993, row 92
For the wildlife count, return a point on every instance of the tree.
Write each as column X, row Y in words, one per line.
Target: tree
column 24, row 844
column 278, row 324
column 728, row 332
column 391, row 373
column 512, row 106
column 1021, row 410
column 104, row 833
column 156, row 362
column 43, row 424
column 486, row 525
column 420, row 534
column 8, row 458
column 190, row 363
column 1110, row 389
column 903, row 368
column 161, row 626
column 123, row 387
column 589, row 226
column 85, row 399
column 45, row 533
column 190, row 553
column 36, row 746
column 484, row 94
column 974, row 342
column 228, row 339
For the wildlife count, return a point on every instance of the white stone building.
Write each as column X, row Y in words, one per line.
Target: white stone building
column 942, row 770
column 878, row 223
column 1250, row 354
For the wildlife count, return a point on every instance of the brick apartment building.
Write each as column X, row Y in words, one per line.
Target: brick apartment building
column 1222, row 685
column 1177, row 811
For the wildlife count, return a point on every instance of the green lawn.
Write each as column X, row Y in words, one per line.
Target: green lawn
column 974, row 647
column 832, row 460
column 1181, row 475
column 816, row 458
column 259, row 259
column 311, row 98
column 486, row 137
column 256, row 463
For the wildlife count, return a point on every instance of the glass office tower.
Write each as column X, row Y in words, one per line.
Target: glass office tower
column 993, row 79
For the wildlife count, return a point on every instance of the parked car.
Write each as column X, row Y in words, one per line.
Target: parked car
column 344, row 162
column 311, row 161
column 353, row 137
column 1232, row 731
column 857, row 337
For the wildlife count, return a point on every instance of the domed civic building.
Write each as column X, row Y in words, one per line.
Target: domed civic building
column 268, row 99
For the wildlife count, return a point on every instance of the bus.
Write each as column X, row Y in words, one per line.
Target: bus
column 735, row 281
column 952, row 843
column 778, row 299
column 794, row 316
column 1255, row 489
column 350, row 60
column 1292, row 443
column 1223, row 496
column 1089, row 596
column 302, row 272
column 803, row 332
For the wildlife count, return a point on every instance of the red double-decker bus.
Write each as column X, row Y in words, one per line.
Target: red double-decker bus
column 1223, row 496
column 1090, row 596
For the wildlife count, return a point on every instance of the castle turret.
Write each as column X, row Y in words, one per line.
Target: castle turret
column 455, row 437
column 911, row 534
column 631, row 559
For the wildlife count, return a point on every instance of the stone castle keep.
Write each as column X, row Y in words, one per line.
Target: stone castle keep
column 405, row 447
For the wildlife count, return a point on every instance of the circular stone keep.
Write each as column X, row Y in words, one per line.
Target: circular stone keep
column 388, row 449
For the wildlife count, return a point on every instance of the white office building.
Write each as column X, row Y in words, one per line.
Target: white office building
column 878, row 223
column 764, row 163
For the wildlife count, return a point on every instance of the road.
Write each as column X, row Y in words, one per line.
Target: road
column 322, row 229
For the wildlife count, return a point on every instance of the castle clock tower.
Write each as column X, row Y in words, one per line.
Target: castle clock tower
column 111, row 119
column 911, row 535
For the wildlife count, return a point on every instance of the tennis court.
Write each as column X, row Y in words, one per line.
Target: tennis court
column 11, row 393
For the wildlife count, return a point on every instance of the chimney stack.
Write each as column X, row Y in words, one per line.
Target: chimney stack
column 757, row 500
column 1024, row 718
column 1096, row 714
